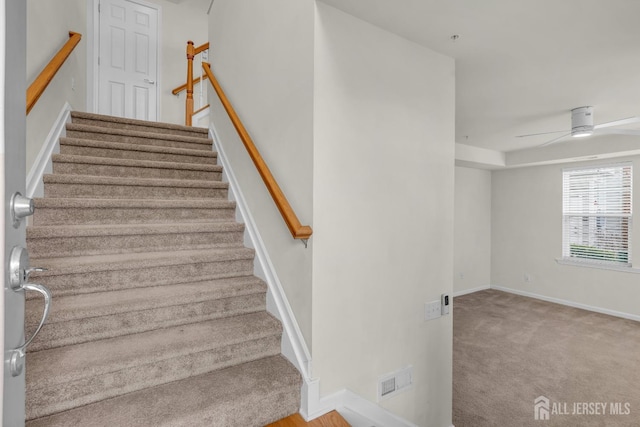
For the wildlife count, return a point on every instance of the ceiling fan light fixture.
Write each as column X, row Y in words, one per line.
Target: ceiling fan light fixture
column 581, row 132
column 582, row 122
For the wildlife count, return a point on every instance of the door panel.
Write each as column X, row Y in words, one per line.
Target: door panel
column 128, row 60
column 13, row 167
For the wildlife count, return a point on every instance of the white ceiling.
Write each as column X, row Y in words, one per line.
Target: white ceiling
column 521, row 66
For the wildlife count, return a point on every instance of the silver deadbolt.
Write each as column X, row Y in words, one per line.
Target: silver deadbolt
column 19, row 272
column 20, row 207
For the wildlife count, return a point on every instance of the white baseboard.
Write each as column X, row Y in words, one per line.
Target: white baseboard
column 358, row 411
column 568, row 303
column 42, row 163
column 470, row 291
column 294, row 347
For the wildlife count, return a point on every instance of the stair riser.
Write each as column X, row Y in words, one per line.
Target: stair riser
column 131, row 192
column 79, row 331
column 105, row 216
column 136, row 140
column 133, row 172
column 45, row 401
column 102, row 281
column 137, row 155
column 137, row 128
column 99, row 245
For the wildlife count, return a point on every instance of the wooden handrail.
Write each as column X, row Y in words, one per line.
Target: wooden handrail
column 44, row 78
column 201, row 109
column 180, row 88
column 298, row 231
column 201, row 48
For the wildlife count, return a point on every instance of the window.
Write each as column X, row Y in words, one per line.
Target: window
column 596, row 213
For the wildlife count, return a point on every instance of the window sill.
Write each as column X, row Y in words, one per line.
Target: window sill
column 622, row 268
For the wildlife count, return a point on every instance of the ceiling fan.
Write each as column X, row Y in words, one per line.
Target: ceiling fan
column 582, row 126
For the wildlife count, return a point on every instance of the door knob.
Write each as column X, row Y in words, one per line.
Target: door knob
column 151, row 82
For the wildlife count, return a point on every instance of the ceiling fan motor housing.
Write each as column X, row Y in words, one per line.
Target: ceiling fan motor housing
column 582, row 121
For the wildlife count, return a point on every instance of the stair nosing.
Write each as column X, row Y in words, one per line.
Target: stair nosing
column 134, row 163
column 132, row 182
column 153, row 295
column 99, row 230
column 136, row 122
column 76, row 127
column 274, row 328
column 74, row 203
column 124, row 146
column 128, row 261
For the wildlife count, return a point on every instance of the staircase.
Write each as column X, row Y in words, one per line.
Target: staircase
column 157, row 318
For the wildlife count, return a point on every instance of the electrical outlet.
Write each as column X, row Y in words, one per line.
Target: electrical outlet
column 528, row 278
column 461, row 275
column 432, row 310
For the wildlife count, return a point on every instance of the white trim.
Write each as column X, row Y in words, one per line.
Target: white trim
column 93, row 49
column 294, row 346
column 569, row 303
column 201, row 115
column 42, row 163
column 470, row 291
column 624, row 268
column 358, row 411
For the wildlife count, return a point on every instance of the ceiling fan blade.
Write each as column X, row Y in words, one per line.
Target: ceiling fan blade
column 621, row 122
column 634, row 132
column 555, row 140
column 543, row 133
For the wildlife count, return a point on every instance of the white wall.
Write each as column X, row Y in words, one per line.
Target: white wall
column 383, row 214
column 48, row 26
column 527, row 238
column 472, row 229
column 262, row 54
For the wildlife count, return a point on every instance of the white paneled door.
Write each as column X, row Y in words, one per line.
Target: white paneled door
column 128, row 59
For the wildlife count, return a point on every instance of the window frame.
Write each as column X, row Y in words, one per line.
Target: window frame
column 567, row 258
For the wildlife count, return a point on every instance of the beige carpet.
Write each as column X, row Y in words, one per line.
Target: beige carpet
column 156, row 317
column 508, row 350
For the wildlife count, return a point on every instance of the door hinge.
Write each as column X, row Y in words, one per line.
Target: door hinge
column 99, row 8
column 98, row 60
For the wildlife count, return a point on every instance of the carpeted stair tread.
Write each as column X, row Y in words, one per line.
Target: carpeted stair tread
column 252, row 394
column 65, row 211
column 78, row 240
column 128, row 363
column 94, row 148
column 81, row 131
column 97, row 304
column 110, row 187
column 71, row 203
column 145, row 182
column 107, row 166
column 79, row 264
column 134, row 124
column 44, row 232
column 70, row 158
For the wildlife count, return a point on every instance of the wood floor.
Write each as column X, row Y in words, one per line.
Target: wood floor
column 332, row 419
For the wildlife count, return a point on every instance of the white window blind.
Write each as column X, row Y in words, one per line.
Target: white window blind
column 597, row 209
